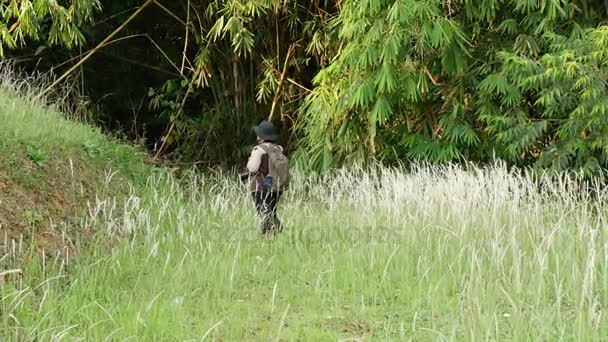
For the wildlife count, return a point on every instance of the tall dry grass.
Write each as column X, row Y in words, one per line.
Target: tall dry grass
column 425, row 254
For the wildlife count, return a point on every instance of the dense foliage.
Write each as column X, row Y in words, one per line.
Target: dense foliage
column 397, row 80
column 476, row 80
column 193, row 77
column 25, row 21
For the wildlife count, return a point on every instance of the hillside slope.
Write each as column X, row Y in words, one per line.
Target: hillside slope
column 51, row 169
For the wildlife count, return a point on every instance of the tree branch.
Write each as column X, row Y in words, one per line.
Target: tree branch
column 172, row 127
column 170, row 13
column 428, row 73
column 106, row 44
column 143, row 65
column 186, row 40
column 277, row 93
column 107, row 39
column 292, row 81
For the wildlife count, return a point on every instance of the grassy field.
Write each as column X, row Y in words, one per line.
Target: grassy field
column 434, row 253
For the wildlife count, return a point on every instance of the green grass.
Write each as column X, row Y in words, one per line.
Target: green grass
column 29, row 127
column 51, row 169
column 428, row 254
column 435, row 254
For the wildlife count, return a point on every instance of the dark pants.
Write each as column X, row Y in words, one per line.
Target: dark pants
column 266, row 204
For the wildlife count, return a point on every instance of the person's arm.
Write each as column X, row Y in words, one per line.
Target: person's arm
column 255, row 160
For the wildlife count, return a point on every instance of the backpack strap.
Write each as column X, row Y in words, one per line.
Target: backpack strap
column 265, row 148
column 268, row 149
column 265, row 158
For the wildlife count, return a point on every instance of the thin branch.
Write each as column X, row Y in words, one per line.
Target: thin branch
column 428, row 73
column 186, row 40
column 6, row 273
column 108, row 43
column 439, row 127
column 85, row 58
column 113, row 16
column 22, row 59
column 291, row 80
column 277, row 93
column 164, row 54
column 127, row 60
column 81, row 75
column 282, row 323
column 14, row 26
column 200, row 22
column 211, row 329
column 276, row 25
column 186, row 24
column 170, row 13
column 144, row 65
column 172, row 127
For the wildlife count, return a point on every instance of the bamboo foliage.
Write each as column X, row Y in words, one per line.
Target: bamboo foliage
column 25, row 20
column 566, row 125
column 441, row 81
column 252, row 56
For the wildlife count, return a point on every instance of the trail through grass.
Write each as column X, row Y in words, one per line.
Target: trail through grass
column 432, row 254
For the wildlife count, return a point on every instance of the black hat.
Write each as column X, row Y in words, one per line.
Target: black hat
column 266, row 131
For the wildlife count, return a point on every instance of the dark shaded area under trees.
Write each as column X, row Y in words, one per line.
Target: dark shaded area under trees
column 137, row 84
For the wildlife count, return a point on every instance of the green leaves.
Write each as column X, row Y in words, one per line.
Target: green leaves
column 421, row 148
column 399, row 13
column 458, row 132
column 441, row 33
column 29, row 21
column 386, row 80
column 440, row 82
column 203, row 64
column 267, row 86
column 562, row 122
column 37, row 155
column 495, row 84
column 242, row 41
column 92, row 149
column 508, row 26
column 381, row 112
column 363, row 94
column 241, row 38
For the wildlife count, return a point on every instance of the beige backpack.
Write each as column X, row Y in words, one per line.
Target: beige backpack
column 278, row 176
